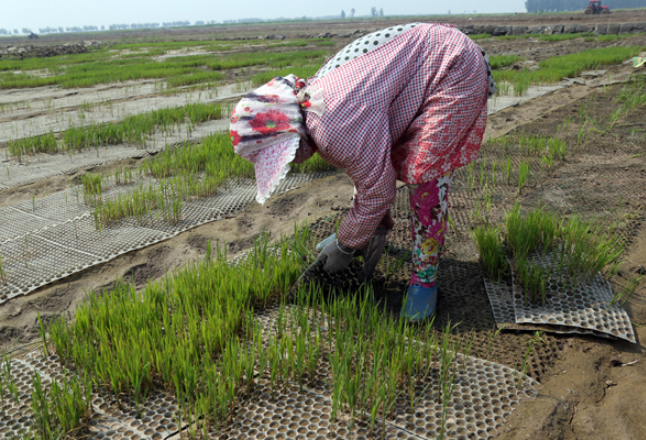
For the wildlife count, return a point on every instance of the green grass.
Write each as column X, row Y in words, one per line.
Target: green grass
column 182, row 173
column 553, row 70
column 133, row 129
column 500, row 61
column 194, row 335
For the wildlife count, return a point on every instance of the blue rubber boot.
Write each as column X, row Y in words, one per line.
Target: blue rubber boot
column 420, row 302
column 321, row 245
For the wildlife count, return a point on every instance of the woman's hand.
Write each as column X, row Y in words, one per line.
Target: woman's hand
column 336, row 257
column 372, row 254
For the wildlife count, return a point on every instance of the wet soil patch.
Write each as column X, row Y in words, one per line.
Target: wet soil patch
column 57, row 302
column 140, row 274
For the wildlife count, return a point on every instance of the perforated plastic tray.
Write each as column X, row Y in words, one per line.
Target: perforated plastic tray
column 62, row 237
column 583, row 310
column 484, row 396
column 105, row 244
column 44, row 166
column 36, row 262
column 15, row 223
column 107, row 421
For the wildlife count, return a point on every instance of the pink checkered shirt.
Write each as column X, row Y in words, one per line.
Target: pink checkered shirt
column 412, row 109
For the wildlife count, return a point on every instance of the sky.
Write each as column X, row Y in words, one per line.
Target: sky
column 34, row 14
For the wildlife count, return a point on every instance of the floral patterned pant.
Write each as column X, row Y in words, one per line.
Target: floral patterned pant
column 428, row 205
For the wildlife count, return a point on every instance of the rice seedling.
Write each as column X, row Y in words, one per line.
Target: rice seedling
column 64, row 409
column 500, row 61
column 492, row 336
column 523, row 172
column 503, row 88
column 580, row 250
column 471, row 176
column 554, row 69
column 488, row 240
column 133, row 129
column 625, row 294
column 508, row 170
column 194, row 170
column 633, row 94
column 547, row 162
column 192, row 320
column 479, row 36
column 525, row 366
column 305, row 71
column 484, row 176
column 557, row 148
column 7, row 380
column 3, row 275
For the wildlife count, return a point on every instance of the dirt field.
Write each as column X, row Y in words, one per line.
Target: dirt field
column 591, row 387
column 344, row 26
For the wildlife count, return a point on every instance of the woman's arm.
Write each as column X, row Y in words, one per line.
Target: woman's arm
column 366, row 157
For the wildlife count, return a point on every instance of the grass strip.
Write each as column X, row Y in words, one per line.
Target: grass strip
column 553, row 70
column 133, row 129
column 182, row 173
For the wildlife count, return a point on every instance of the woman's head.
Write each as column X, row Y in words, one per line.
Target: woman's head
column 266, row 128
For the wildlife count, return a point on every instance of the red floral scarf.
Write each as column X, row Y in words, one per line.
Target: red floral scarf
column 266, row 128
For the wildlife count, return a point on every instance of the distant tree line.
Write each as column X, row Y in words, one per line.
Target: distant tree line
column 112, row 27
column 374, row 12
column 577, row 5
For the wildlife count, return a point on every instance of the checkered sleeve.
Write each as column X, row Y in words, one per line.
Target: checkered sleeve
column 370, row 168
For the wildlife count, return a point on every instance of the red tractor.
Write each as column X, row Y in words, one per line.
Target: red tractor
column 595, row 8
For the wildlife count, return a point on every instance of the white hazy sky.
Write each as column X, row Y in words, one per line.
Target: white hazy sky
column 34, row 14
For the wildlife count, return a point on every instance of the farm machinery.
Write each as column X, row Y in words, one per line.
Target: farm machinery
column 595, row 7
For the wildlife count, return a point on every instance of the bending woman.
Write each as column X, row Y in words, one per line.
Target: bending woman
column 406, row 103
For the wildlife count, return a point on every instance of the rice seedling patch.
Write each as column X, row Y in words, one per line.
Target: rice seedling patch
column 553, row 70
column 462, row 296
column 132, row 130
column 138, row 61
column 68, row 235
column 261, row 372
